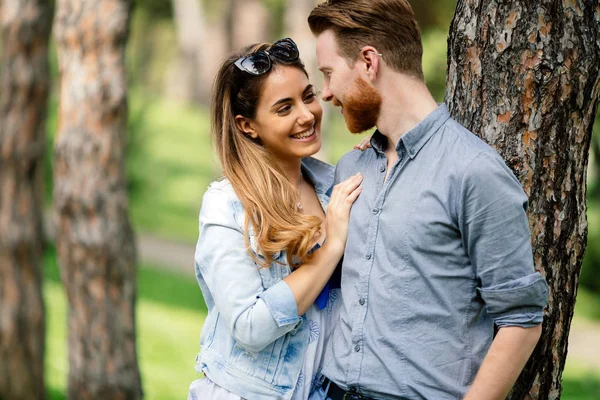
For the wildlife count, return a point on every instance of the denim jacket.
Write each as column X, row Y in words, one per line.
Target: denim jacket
column 253, row 341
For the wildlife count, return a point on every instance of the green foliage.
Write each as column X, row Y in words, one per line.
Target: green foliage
column 587, row 304
column 590, row 271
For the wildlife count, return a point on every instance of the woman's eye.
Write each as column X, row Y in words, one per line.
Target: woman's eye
column 284, row 110
column 310, row 97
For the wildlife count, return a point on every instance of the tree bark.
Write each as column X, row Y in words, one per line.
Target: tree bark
column 94, row 238
column 25, row 29
column 524, row 76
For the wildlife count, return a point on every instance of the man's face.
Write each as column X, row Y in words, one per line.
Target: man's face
column 360, row 102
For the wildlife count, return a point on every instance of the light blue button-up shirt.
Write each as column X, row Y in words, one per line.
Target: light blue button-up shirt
column 436, row 255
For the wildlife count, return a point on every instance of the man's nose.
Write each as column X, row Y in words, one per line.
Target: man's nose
column 326, row 94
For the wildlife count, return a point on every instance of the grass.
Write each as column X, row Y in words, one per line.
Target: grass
column 170, row 314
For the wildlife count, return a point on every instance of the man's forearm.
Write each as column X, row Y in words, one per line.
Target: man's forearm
column 503, row 363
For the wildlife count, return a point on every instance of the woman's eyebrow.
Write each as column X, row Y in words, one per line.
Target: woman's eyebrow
column 286, row 99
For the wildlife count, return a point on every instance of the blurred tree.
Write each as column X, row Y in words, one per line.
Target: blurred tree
column 94, row 239
column 250, row 23
column 525, row 77
column 25, row 29
column 185, row 76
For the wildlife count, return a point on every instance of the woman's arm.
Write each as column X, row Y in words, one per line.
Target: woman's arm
column 307, row 281
column 256, row 316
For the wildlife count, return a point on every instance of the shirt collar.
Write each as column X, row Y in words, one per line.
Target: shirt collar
column 414, row 140
column 318, row 173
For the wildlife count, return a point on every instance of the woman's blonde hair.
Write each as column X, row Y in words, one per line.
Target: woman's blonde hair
column 268, row 197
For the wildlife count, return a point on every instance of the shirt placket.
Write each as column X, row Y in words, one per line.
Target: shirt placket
column 357, row 352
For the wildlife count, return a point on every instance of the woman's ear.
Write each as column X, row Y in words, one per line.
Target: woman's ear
column 245, row 125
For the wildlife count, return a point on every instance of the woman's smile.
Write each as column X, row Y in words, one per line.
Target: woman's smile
column 305, row 136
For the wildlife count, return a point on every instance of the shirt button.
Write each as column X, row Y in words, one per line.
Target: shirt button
column 357, row 348
column 368, row 256
column 361, row 302
column 375, row 211
column 382, row 168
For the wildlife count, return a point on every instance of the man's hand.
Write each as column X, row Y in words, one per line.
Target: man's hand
column 503, row 363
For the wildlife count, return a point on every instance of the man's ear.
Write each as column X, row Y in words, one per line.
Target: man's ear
column 245, row 125
column 371, row 61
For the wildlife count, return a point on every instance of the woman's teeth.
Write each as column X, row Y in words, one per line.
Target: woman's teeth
column 304, row 135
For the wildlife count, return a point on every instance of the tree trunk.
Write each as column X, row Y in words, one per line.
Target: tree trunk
column 25, row 28
column 94, row 238
column 185, row 74
column 251, row 23
column 524, row 76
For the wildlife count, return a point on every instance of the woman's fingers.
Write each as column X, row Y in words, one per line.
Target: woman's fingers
column 353, row 195
column 364, row 144
column 342, row 191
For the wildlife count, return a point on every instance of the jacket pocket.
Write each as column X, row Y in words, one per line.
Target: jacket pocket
column 207, row 336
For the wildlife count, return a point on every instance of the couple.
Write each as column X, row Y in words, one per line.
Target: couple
column 435, row 252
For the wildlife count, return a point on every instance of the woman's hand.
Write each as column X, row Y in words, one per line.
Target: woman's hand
column 338, row 212
column 364, row 144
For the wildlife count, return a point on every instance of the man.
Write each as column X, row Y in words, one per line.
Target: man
column 439, row 246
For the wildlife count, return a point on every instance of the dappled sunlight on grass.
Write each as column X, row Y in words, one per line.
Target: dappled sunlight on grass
column 173, row 162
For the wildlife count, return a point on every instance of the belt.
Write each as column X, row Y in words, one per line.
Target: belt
column 337, row 393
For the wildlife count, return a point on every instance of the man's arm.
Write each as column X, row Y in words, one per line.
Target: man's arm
column 503, row 363
column 498, row 241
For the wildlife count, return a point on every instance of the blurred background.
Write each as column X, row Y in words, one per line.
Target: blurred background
column 174, row 49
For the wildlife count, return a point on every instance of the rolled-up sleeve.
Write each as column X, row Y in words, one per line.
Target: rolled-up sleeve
column 255, row 316
column 498, row 242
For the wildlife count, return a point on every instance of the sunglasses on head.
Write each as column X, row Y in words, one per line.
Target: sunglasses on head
column 259, row 62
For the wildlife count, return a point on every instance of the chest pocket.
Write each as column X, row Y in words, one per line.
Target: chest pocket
column 276, row 271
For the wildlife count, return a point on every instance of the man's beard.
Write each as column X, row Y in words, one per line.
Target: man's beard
column 361, row 106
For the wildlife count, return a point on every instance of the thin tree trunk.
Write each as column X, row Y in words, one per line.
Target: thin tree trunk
column 25, row 29
column 251, row 23
column 94, row 238
column 524, row 76
column 185, row 81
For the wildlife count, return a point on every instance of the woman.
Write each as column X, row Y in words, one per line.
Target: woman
column 256, row 262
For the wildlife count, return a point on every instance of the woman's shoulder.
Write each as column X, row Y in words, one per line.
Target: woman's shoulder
column 221, row 189
column 220, row 203
column 220, row 195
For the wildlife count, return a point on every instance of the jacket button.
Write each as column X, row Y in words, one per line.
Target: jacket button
column 368, row 256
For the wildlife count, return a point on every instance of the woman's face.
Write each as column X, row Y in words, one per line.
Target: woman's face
column 288, row 115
